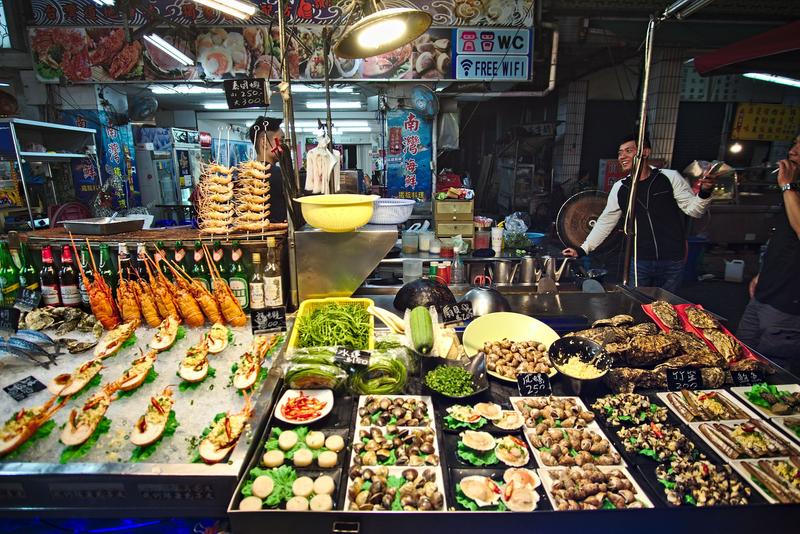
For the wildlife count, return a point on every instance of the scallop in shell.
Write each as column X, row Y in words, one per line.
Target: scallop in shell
column 479, row 441
column 483, row 490
column 489, row 410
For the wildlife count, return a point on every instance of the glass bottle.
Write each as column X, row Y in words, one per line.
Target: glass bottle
column 161, row 252
column 9, row 276
column 180, row 256
column 237, row 277
column 273, row 281
column 218, row 257
column 141, row 260
column 68, row 279
column 256, row 284
column 28, row 274
column 49, row 278
column 199, row 268
column 458, row 276
column 86, row 263
column 106, row 268
column 123, row 259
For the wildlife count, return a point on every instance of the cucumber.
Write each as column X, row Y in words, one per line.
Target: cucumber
column 421, row 329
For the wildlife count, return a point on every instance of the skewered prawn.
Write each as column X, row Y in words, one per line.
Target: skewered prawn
column 253, row 199
column 224, row 434
column 220, row 179
column 161, row 294
column 255, row 164
column 82, row 422
column 228, row 303
column 202, row 295
column 217, row 188
column 219, row 215
column 127, row 302
column 220, row 197
column 101, row 298
column 185, row 302
column 216, row 168
column 23, row 424
column 147, row 301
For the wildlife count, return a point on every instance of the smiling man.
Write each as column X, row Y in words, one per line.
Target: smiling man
column 771, row 322
column 663, row 197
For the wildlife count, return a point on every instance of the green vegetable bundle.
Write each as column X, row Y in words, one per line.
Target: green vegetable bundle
column 332, row 325
column 386, row 373
column 314, row 368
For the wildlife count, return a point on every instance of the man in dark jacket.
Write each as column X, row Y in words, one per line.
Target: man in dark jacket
column 771, row 322
column 663, row 197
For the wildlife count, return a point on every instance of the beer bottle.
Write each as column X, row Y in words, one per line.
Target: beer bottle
column 86, row 263
column 237, row 277
column 49, row 278
column 123, row 259
column 161, row 252
column 106, row 268
column 141, row 260
column 218, row 257
column 28, row 274
column 273, row 282
column 9, row 276
column 180, row 256
column 199, row 269
column 256, row 285
column 68, row 279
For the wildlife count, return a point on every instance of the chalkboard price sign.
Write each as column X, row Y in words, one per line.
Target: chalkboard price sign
column 457, row 313
column 353, row 357
column 247, row 93
column 269, row 320
column 678, row 379
column 533, row 384
column 22, row 389
column 747, row 378
column 9, row 321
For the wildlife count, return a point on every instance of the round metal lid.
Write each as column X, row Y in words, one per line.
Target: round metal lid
column 578, row 215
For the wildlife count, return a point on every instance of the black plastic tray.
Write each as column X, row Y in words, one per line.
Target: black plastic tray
column 456, row 474
column 452, row 460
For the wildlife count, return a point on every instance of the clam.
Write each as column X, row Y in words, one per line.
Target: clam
column 424, row 62
column 442, row 45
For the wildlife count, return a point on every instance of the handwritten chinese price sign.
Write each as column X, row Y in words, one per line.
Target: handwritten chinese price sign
column 747, row 378
column 678, row 379
column 457, row 313
column 533, row 384
column 247, row 93
column 352, row 357
column 408, row 161
column 269, row 320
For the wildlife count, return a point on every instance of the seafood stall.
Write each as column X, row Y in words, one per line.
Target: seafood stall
column 396, row 411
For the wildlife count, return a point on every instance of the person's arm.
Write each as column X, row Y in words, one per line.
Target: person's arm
column 606, row 223
column 788, row 173
column 689, row 203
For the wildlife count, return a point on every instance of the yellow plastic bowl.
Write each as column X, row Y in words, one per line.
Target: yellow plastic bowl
column 337, row 213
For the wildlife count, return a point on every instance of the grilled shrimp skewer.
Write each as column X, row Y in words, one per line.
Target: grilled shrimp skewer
column 228, row 303
column 101, row 298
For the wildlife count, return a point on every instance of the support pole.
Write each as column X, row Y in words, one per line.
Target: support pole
column 638, row 160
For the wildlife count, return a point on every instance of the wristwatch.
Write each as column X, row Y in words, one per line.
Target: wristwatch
column 786, row 187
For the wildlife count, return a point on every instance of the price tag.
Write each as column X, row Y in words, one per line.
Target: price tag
column 457, row 313
column 533, row 384
column 247, row 93
column 9, row 321
column 24, row 388
column 29, row 300
column 268, row 320
column 678, row 379
column 747, row 378
column 354, row 357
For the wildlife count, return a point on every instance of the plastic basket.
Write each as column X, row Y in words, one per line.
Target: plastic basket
column 392, row 210
column 308, row 306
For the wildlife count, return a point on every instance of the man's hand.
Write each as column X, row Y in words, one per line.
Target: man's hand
column 570, row 253
column 752, row 287
column 707, row 180
column 788, row 172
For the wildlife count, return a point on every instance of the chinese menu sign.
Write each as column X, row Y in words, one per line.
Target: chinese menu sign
column 247, row 93
column 408, row 158
column 765, row 122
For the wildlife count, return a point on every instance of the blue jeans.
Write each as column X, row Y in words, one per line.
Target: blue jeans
column 666, row 274
column 771, row 332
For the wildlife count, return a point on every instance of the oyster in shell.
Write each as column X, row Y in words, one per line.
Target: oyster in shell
column 650, row 349
column 725, row 344
column 700, row 318
column 617, row 320
column 667, row 314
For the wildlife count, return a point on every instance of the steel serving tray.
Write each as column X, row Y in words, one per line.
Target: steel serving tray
column 104, row 225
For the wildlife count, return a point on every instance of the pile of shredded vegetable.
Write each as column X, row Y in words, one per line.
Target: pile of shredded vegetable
column 335, row 325
column 302, row 408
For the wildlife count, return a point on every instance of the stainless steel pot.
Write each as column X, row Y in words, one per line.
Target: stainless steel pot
column 486, row 300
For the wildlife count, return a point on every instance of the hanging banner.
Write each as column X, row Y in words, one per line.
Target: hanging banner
column 318, row 12
column 765, row 122
column 408, row 160
column 493, row 54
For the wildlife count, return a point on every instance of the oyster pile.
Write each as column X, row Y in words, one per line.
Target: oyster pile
column 64, row 320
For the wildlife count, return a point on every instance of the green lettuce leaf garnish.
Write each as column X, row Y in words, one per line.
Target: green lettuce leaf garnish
column 76, row 451
column 283, row 477
column 476, row 458
column 91, row 384
column 186, row 386
column 469, row 504
column 452, row 423
column 143, row 453
column 196, row 454
column 131, row 341
column 42, row 432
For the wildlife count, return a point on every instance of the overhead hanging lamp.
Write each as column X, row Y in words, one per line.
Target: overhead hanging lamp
column 379, row 30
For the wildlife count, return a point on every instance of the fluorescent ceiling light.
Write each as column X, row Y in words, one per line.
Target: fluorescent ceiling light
column 184, row 90
column 772, row 78
column 215, row 105
column 301, row 88
column 168, row 49
column 356, row 129
column 309, row 124
column 235, row 8
column 320, row 104
column 5, row 84
column 104, row 2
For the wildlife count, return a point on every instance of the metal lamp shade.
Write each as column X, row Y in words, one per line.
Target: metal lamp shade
column 416, row 22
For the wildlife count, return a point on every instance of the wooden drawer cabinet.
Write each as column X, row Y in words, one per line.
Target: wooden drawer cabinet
column 450, row 229
column 453, row 210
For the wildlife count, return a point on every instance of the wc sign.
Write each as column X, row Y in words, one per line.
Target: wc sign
column 492, row 53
